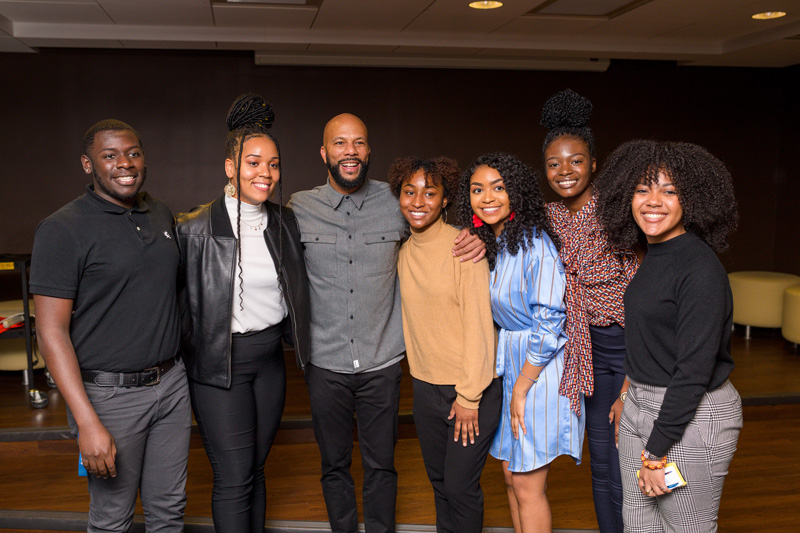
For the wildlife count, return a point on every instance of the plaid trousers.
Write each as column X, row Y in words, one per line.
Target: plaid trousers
column 702, row 455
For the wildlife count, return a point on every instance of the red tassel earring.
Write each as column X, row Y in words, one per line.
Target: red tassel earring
column 476, row 221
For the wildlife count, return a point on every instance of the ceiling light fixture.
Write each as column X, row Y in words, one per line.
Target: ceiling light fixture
column 769, row 15
column 485, row 5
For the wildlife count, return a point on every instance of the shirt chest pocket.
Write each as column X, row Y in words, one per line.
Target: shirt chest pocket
column 380, row 252
column 320, row 253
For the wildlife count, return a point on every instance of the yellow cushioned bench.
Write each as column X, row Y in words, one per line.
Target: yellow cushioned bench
column 791, row 314
column 758, row 297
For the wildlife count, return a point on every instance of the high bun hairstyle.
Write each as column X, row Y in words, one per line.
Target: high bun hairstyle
column 251, row 116
column 567, row 113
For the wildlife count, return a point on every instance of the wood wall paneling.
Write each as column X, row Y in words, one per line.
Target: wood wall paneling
column 178, row 101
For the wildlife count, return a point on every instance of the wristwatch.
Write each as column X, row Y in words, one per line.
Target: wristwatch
column 623, row 395
column 650, row 457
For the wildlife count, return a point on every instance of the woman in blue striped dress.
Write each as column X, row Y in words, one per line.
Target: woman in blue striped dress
column 502, row 196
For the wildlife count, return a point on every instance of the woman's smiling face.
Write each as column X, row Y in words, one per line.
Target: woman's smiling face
column 657, row 210
column 489, row 199
column 260, row 172
column 421, row 201
column 569, row 167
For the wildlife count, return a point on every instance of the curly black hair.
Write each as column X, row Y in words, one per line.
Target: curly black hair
column 704, row 186
column 438, row 171
column 567, row 113
column 525, row 199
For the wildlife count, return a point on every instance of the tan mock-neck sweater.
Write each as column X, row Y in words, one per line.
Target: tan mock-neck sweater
column 447, row 314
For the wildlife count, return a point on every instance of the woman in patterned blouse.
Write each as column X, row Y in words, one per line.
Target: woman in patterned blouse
column 597, row 275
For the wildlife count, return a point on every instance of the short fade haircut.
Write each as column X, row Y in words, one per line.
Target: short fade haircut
column 106, row 125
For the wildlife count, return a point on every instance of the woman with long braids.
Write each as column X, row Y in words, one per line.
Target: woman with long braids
column 245, row 290
column 597, row 275
column 457, row 396
column 502, row 198
column 681, row 408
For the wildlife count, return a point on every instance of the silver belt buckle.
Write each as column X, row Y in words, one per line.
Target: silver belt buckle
column 158, row 376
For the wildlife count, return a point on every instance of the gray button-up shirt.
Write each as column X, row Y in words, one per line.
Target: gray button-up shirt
column 351, row 243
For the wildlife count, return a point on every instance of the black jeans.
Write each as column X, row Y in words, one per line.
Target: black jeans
column 238, row 426
column 374, row 397
column 453, row 469
column 608, row 356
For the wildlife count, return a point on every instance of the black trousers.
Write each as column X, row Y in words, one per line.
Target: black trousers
column 374, row 397
column 238, row 426
column 453, row 469
column 608, row 357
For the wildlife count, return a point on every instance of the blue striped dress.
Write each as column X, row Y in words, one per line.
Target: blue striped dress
column 528, row 304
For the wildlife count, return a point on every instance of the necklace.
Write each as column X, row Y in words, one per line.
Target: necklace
column 258, row 227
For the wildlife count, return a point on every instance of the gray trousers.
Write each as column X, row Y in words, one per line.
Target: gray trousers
column 702, row 455
column 151, row 427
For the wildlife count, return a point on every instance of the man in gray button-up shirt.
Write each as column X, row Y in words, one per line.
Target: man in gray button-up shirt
column 352, row 231
column 351, row 240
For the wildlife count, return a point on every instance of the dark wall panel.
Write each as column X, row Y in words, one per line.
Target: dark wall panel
column 786, row 178
column 178, row 102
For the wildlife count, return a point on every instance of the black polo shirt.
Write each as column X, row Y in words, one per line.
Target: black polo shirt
column 119, row 267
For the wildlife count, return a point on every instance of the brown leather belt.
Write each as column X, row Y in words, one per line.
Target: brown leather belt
column 145, row 378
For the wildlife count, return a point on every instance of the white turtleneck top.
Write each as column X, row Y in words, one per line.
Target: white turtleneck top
column 261, row 304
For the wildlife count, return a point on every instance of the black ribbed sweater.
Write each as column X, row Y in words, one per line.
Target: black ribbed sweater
column 678, row 314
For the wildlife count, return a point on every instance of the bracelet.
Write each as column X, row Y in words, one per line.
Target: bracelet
column 653, row 464
column 529, row 379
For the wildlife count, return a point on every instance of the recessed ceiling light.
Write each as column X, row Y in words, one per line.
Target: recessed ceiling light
column 767, row 15
column 485, row 5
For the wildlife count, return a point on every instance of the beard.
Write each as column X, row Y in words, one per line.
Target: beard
column 343, row 182
column 113, row 194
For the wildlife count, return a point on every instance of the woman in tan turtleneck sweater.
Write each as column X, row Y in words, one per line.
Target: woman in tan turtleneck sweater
column 450, row 343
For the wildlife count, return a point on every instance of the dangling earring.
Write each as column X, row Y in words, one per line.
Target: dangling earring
column 444, row 213
column 476, row 221
column 230, row 190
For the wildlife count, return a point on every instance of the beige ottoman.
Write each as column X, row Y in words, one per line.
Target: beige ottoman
column 791, row 314
column 758, row 298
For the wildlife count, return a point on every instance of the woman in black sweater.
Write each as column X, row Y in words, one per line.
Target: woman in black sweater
column 680, row 407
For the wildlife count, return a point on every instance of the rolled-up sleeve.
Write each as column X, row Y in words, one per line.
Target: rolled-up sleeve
column 546, row 284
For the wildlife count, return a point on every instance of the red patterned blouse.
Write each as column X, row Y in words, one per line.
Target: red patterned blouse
column 597, row 275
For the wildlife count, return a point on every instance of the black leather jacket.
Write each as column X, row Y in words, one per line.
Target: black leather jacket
column 208, row 260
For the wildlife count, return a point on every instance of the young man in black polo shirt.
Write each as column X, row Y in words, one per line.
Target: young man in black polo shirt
column 103, row 275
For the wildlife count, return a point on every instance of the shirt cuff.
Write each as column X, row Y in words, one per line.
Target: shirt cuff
column 658, row 444
column 463, row 402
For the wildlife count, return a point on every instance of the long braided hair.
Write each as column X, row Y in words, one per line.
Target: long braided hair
column 251, row 116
